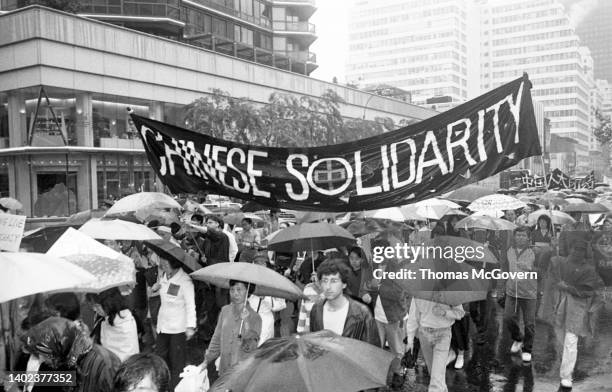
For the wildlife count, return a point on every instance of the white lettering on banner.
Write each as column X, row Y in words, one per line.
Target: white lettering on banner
column 252, row 173
column 462, row 142
column 495, row 109
column 303, row 183
column 220, row 168
column 385, row 169
column 430, row 139
column 482, row 152
column 230, row 163
column 394, row 175
column 361, row 191
column 515, row 109
column 11, row 231
column 330, row 192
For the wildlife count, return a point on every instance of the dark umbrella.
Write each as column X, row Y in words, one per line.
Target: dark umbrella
column 471, row 250
column 310, row 236
column 169, row 251
column 315, row 362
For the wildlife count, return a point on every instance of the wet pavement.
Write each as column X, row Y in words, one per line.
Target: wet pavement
column 490, row 367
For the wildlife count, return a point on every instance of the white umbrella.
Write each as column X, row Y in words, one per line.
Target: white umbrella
column 10, row 203
column 74, row 242
column 117, row 229
column 142, row 201
column 436, row 202
column 496, row 202
column 392, row 213
column 433, row 212
column 25, row 274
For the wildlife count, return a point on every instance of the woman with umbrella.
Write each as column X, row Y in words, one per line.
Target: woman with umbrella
column 237, row 331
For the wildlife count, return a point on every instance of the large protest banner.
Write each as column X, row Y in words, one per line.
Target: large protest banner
column 465, row 144
column 11, row 231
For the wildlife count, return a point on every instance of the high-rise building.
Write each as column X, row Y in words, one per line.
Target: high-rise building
column 536, row 36
column 270, row 32
column 420, row 46
column 593, row 26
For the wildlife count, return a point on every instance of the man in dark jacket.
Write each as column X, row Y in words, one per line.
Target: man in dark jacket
column 339, row 313
column 212, row 240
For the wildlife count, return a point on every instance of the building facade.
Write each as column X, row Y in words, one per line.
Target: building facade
column 420, row 46
column 66, row 142
column 271, row 32
column 536, row 37
column 595, row 30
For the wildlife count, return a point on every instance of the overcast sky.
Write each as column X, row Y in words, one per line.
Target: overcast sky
column 330, row 20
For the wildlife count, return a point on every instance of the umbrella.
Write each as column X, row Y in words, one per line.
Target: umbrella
column 310, row 236
column 410, row 212
column 81, row 217
column 142, row 201
column 496, row 202
column 361, row 227
column 74, row 242
column 25, row 274
column 268, row 282
column 164, row 217
column 394, row 214
column 117, row 229
column 315, row 216
column 42, row 238
column 444, row 281
column 469, row 193
column 10, row 203
column 455, row 212
column 446, row 243
column 108, row 272
column 591, row 208
column 169, row 251
column 435, row 212
column 237, row 217
column 320, row 361
column 491, row 213
column 484, row 222
column 582, row 197
column 436, row 202
column 557, row 217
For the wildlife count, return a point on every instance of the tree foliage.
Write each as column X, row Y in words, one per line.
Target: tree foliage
column 603, row 131
column 286, row 120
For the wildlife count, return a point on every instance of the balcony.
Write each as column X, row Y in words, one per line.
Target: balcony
column 263, row 22
column 302, row 62
column 301, row 27
column 305, row 8
column 150, row 17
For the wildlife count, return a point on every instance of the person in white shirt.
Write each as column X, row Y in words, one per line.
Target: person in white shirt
column 433, row 322
column 118, row 331
column 176, row 320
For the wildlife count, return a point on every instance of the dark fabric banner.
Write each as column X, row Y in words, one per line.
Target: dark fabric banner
column 465, row 144
column 559, row 180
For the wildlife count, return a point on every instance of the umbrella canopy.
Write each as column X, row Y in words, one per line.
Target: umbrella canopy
column 169, row 251
column 310, row 236
column 557, row 217
column 392, row 214
column 142, row 201
column 435, row 212
column 444, row 242
column 455, row 212
column 10, row 203
column 496, row 202
column 361, row 227
column 25, row 274
column 452, row 283
column 484, row 222
column 573, row 200
column 74, row 242
column 42, row 238
column 320, row 361
column 469, row 193
column 117, row 229
column 237, row 217
column 591, row 208
column 315, row 216
column 410, row 212
column 268, row 282
column 81, row 217
column 436, row 202
column 108, row 272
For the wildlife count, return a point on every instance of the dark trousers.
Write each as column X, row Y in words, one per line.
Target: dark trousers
column 481, row 313
column 511, row 320
column 171, row 347
column 460, row 338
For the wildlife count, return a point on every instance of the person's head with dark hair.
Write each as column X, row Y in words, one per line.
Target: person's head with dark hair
column 438, row 230
column 239, row 291
column 142, row 372
column 246, row 223
column 333, row 277
column 108, row 304
column 380, row 242
column 169, row 266
column 66, row 304
column 174, row 228
column 356, row 258
column 214, row 222
column 544, row 222
column 197, row 219
column 3, row 208
column 522, row 236
column 153, row 223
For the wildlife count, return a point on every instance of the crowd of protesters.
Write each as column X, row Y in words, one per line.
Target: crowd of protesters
column 126, row 338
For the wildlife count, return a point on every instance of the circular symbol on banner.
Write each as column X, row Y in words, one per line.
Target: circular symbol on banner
column 331, row 175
